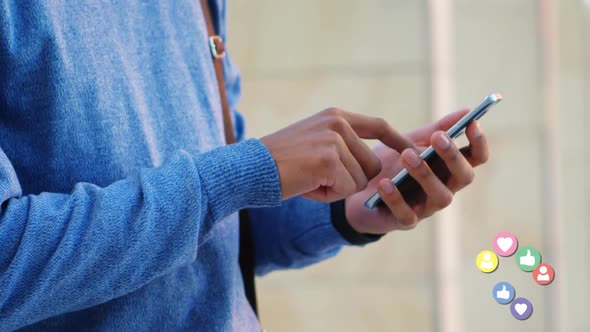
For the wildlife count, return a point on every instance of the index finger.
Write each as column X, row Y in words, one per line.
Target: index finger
column 377, row 128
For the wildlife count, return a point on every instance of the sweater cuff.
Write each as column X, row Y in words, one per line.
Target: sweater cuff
column 318, row 237
column 341, row 224
column 239, row 176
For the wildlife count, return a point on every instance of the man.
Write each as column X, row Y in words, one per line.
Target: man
column 120, row 197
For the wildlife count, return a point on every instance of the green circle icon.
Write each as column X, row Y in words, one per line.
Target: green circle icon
column 528, row 258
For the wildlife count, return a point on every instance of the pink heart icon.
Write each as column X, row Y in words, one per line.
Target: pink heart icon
column 505, row 244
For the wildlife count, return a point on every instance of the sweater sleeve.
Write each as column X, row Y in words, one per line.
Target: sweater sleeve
column 294, row 235
column 65, row 252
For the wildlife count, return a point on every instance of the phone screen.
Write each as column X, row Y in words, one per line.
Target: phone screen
column 408, row 187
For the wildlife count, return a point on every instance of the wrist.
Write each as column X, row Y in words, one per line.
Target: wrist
column 345, row 228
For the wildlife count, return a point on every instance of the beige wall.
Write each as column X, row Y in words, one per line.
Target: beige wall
column 374, row 57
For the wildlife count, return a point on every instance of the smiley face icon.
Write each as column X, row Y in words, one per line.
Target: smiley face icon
column 487, row 261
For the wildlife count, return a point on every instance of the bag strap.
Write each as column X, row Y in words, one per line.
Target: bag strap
column 218, row 53
column 246, row 255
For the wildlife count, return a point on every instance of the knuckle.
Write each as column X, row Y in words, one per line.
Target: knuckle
column 327, row 159
column 395, row 200
column 484, row 157
column 409, row 222
column 332, row 111
column 333, row 158
column 374, row 166
column 362, row 184
column 382, row 126
column 423, row 172
column 469, row 177
column 350, row 190
column 381, row 122
column 332, row 137
column 337, row 123
column 445, row 200
column 427, row 214
column 453, row 154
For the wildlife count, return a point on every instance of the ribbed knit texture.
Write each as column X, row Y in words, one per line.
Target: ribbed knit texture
column 237, row 182
column 118, row 198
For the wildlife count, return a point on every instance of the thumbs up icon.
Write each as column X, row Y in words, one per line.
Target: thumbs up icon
column 528, row 260
column 503, row 293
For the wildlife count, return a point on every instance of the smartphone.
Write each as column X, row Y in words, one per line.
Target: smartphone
column 408, row 187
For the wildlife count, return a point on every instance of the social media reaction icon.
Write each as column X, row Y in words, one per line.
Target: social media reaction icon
column 487, row 261
column 544, row 274
column 528, row 258
column 503, row 292
column 521, row 308
column 505, row 244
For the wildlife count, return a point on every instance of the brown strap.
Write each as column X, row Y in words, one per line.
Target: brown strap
column 218, row 52
column 246, row 255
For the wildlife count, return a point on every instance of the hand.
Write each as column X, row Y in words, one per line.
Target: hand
column 398, row 214
column 323, row 157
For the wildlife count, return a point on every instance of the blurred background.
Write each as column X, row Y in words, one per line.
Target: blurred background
column 411, row 62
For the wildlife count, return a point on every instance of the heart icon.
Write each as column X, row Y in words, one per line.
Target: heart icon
column 520, row 308
column 504, row 243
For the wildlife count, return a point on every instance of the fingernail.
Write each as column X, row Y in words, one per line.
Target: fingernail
column 413, row 159
column 387, row 187
column 443, row 141
column 477, row 130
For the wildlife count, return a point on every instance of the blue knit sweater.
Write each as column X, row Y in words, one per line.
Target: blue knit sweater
column 118, row 196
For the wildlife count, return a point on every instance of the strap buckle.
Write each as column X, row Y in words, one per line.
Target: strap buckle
column 217, row 47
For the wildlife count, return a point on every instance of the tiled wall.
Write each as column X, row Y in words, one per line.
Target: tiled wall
column 374, row 57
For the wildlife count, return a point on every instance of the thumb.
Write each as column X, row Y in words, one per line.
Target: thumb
column 423, row 134
column 528, row 252
column 503, row 288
